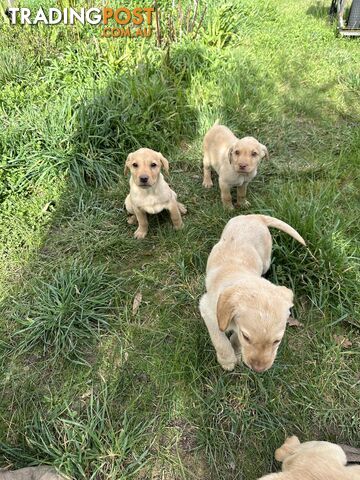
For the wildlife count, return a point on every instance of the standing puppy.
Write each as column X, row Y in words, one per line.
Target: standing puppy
column 234, row 160
column 149, row 193
column 238, row 299
column 312, row 461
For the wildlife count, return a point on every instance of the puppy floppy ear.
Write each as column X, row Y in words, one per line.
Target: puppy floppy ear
column 287, row 448
column 127, row 164
column 264, row 151
column 164, row 162
column 286, row 294
column 225, row 309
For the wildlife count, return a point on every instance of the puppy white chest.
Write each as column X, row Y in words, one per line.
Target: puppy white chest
column 154, row 207
column 153, row 202
column 236, row 179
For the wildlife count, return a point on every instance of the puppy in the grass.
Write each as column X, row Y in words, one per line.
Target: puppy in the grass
column 312, row 461
column 239, row 300
column 149, row 192
column 234, row 160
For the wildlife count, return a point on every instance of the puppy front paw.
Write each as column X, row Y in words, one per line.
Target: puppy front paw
column 228, row 206
column 207, row 183
column 243, row 203
column 228, row 363
column 179, row 226
column 140, row 233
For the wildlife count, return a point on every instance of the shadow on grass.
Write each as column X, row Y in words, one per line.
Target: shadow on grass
column 67, row 311
column 319, row 10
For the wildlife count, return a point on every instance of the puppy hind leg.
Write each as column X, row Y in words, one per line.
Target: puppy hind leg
column 176, row 216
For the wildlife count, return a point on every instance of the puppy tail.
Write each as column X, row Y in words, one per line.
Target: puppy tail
column 280, row 225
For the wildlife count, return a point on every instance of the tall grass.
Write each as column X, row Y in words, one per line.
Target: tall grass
column 84, row 439
column 68, row 313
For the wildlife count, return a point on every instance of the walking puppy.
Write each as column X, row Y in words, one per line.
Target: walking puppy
column 234, row 160
column 312, row 461
column 238, row 299
column 149, row 192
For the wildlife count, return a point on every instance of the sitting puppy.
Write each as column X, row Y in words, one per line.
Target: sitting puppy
column 149, row 193
column 234, row 160
column 312, row 461
column 238, row 299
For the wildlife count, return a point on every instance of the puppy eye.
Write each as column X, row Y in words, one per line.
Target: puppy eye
column 237, row 152
column 153, row 165
column 254, row 154
column 246, row 337
column 277, row 342
column 135, row 165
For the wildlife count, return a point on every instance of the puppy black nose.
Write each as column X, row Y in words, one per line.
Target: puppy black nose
column 243, row 166
column 144, row 178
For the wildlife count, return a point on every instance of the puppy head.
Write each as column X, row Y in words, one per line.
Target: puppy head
column 246, row 153
column 258, row 314
column 287, row 448
column 292, row 453
column 145, row 166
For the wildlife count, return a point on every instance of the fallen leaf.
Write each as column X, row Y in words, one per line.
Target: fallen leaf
column 136, row 303
column 49, row 206
column 342, row 341
column 292, row 322
column 87, row 394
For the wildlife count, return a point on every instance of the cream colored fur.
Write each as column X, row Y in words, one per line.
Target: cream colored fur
column 239, row 300
column 154, row 195
column 312, row 461
column 234, row 160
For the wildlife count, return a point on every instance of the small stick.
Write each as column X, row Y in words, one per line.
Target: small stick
column 158, row 32
column 200, row 22
column 195, row 15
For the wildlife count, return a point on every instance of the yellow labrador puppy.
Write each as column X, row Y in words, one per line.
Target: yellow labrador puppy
column 312, row 461
column 149, row 192
column 234, row 160
column 238, row 299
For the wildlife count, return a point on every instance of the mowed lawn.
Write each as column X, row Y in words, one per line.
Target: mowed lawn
column 103, row 389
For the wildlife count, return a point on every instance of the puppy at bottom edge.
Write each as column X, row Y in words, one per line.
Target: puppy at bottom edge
column 312, row 461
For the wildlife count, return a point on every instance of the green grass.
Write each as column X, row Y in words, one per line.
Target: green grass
column 63, row 316
column 100, row 392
